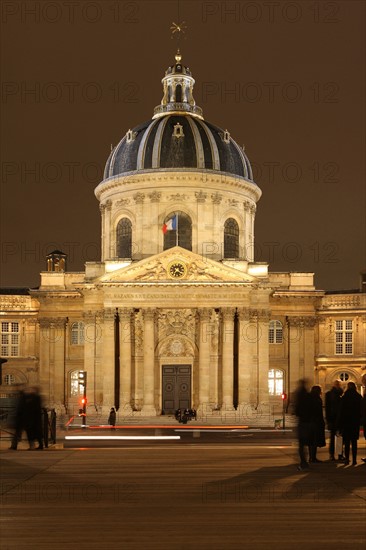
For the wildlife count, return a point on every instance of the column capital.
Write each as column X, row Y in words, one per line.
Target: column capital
column 148, row 314
column 201, row 196
column 139, row 198
column 302, row 321
column 204, row 313
column 155, row 196
column 109, row 314
column 125, row 312
column 228, row 313
column 244, row 313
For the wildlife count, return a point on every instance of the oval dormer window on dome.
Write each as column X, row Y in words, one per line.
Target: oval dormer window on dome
column 124, row 239
column 231, row 239
column 182, row 235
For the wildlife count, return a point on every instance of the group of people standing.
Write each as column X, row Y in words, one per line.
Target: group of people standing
column 28, row 417
column 344, row 413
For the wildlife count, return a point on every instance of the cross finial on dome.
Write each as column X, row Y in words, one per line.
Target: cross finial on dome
column 178, row 56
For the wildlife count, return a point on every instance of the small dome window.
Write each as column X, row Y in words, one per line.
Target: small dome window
column 226, row 136
column 178, row 131
column 130, row 136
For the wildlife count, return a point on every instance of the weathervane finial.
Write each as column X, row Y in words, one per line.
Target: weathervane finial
column 178, row 29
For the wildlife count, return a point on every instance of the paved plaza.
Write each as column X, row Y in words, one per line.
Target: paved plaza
column 179, row 496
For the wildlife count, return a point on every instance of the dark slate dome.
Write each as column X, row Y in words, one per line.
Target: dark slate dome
column 178, row 137
column 178, row 141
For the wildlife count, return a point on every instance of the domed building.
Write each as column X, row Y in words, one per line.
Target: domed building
column 182, row 167
column 177, row 313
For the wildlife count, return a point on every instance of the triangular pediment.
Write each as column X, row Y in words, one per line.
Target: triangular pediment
column 176, row 265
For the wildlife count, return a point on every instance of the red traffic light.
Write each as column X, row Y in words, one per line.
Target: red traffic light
column 283, row 396
column 83, row 400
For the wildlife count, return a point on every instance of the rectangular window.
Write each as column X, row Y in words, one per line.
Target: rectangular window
column 275, row 332
column 77, row 333
column 344, row 337
column 10, row 339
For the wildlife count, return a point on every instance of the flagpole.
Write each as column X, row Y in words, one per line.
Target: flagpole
column 176, row 233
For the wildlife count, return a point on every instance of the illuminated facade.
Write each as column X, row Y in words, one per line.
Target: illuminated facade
column 177, row 313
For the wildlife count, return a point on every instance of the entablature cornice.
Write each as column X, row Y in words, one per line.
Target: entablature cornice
column 166, row 178
column 52, row 322
column 297, row 294
column 340, row 360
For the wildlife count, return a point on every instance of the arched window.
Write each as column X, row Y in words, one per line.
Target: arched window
column 9, row 379
column 76, row 388
column 275, row 382
column 77, row 333
column 231, row 239
column 178, row 233
column 178, row 93
column 275, row 335
column 124, row 238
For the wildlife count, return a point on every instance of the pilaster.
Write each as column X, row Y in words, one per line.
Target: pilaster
column 228, row 357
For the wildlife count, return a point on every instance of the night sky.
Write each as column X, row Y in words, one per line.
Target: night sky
column 287, row 79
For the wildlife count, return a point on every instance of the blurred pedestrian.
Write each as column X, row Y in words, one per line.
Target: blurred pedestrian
column 112, row 418
column 303, row 410
column 318, row 424
column 33, row 418
column 363, row 417
column 350, row 420
column 17, row 421
column 332, row 408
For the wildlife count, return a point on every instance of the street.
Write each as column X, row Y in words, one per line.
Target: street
column 233, row 491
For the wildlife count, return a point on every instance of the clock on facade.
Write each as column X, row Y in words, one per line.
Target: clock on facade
column 177, row 269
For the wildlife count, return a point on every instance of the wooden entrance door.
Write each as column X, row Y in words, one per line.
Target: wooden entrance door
column 176, row 388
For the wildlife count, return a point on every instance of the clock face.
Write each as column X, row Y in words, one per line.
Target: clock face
column 177, row 270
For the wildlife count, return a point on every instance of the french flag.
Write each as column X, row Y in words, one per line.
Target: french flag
column 170, row 225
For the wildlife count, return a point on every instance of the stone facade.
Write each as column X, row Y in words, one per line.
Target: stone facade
column 159, row 324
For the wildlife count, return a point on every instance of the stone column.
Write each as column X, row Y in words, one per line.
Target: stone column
column 125, row 358
column 247, row 228
column 214, row 359
column 108, row 359
column 138, row 239
column 247, row 351
column 44, row 358
column 59, row 386
column 360, row 343
column 251, row 236
column 218, row 233
column 107, row 252
column 155, row 234
column 206, row 249
column 309, row 346
column 92, row 354
column 203, row 358
column 228, row 357
column 295, row 331
column 263, row 317
column 148, row 408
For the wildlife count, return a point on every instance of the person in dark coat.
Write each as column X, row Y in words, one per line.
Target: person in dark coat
column 303, row 410
column 332, row 408
column 363, row 417
column 33, row 417
column 112, row 418
column 318, row 424
column 350, row 420
column 18, row 421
